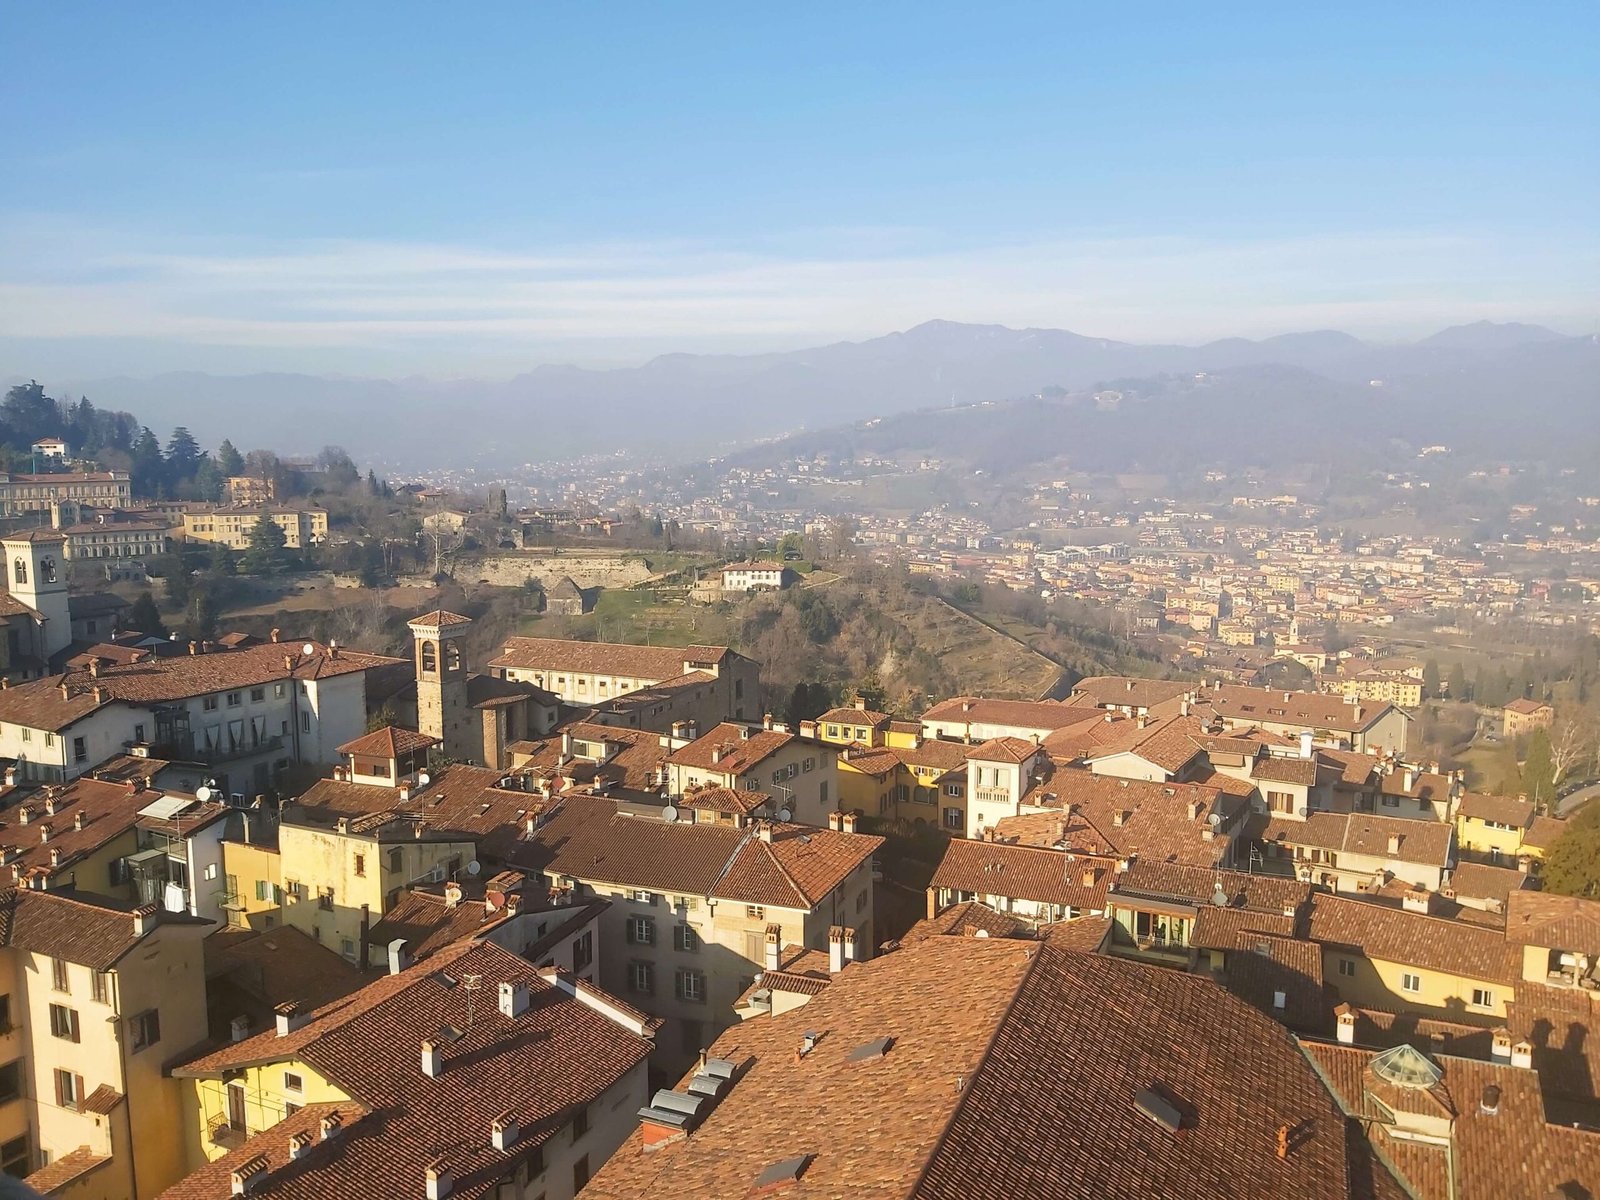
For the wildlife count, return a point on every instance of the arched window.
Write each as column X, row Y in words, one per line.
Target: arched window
column 430, row 657
column 47, row 570
column 21, row 570
column 452, row 656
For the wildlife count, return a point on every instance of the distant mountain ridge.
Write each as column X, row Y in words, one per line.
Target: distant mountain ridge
column 688, row 405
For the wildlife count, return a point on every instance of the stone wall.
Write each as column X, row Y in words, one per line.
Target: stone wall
column 587, row 570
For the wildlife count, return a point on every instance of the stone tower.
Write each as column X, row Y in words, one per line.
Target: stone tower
column 442, row 709
column 36, row 575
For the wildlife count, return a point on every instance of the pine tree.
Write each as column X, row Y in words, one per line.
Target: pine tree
column 183, row 456
column 1430, row 679
column 147, row 463
column 267, row 553
column 1538, row 771
column 1457, row 682
column 144, row 616
column 229, row 460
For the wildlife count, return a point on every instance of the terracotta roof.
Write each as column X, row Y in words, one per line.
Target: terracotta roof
column 1040, row 716
column 93, row 931
column 1508, row 1154
column 1543, row 832
column 1414, row 939
column 427, row 923
column 877, row 761
column 1525, row 706
column 648, row 664
column 1275, row 769
column 1560, row 1024
column 1004, row 749
column 1024, row 873
column 971, row 918
column 725, row 800
column 735, row 753
column 1479, row 881
column 1107, row 691
column 1266, row 894
column 1555, row 922
column 439, row 619
column 1505, row 810
column 1355, row 768
column 634, row 756
column 1264, row 967
column 105, row 810
column 389, row 742
column 67, row 1169
column 40, row 703
column 941, row 755
column 853, row 716
column 1233, row 928
column 250, row 973
column 1424, row 842
column 1313, row 710
column 798, row 868
column 1081, row 933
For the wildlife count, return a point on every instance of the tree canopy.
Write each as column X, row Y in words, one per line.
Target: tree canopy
column 267, row 553
column 1572, row 865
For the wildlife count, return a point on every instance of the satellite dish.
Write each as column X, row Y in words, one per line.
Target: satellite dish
column 1304, row 811
column 1219, row 897
column 203, row 793
column 423, row 779
column 981, row 933
column 308, row 649
column 1214, row 820
column 474, row 867
column 785, row 815
column 669, row 814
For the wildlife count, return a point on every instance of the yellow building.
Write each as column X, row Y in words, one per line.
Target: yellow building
column 473, row 1067
column 231, row 527
column 857, row 725
column 97, row 1000
column 1491, row 828
column 1387, row 687
column 1524, row 716
column 255, row 884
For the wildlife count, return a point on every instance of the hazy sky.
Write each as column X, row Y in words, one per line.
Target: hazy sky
column 471, row 189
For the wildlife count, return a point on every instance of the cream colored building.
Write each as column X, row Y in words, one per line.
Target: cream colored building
column 231, row 527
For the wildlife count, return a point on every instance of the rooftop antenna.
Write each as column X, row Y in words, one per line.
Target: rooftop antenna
column 470, row 984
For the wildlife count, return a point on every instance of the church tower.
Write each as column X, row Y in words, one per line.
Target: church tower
column 36, row 575
column 442, row 709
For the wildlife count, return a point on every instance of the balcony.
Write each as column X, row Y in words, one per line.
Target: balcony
column 992, row 796
column 224, row 1133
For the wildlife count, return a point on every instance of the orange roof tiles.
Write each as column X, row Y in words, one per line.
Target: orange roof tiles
column 389, row 742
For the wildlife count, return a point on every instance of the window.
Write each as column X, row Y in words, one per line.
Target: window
column 641, row 931
column 755, row 912
column 80, row 750
column 1482, row 998
column 146, row 1029
column 361, row 864
column 580, row 1174
column 642, row 897
column 688, row 903
column 685, row 938
column 277, row 690
column 258, row 694
column 99, row 986
column 58, row 975
column 347, row 948
column 20, row 570
column 583, row 950
column 952, row 789
column 27, row 734
column 394, row 859
column 5, row 1013
column 1279, row 1000
column 11, row 1081
column 580, row 1123
column 69, row 1089
column 209, row 704
column 430, row 657
column 1347, row 967
column 15, row 1159
column 861, row 900
column 305, row 722
column 1410, row 982
column 642, row 977
column 1391, row 801
column 953, row 818
column 325, row 900
column 47, row 568
column 691, row 986
column 452, row 657
column 49, row 738
column 235, row 699
column 138, row 733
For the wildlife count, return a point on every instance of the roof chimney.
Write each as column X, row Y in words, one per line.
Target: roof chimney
column 144, row 919
column 1500, row 1045
column 329, row 1127
column 849, row 944
column 835, row 949
column 275, row 634
column 77, row 820
column 766, row 721
column 299, row 1144
column 94, row 667
column 847, row 822
column 289, row 1017
column 513, row 999
column 1522, row 1054
column 440, row 1179
column 1345, row 1016
column 503, row 1131
column 432, row 1060
column 1394, row 843
column 55, row 856
column 25, row 814
column 239, row 1028
column 44, row 832
column 399, row 960
column 774, row 947
column 1490, row 1104
column 247, row 1176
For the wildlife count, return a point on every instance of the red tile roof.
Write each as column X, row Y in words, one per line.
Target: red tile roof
column 1025, row 873
column 389, row 742
column 1415, row 939
column 731, row 749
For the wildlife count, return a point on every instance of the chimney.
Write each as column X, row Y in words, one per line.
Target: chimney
column 432, row 1060
column 744, row 733
column 1183, row 707
column 44, row 832
column 1283, row 1141
column 50, row 804
column 966, row 706
column 440, row 1179
column 290, row 1017
column 835, row 949
column 1500, row 1046
column 144, row 919
column 1195, row 809
column 835, row 820
column 566, row 745
column 503, row 1131
column 194, row 647
column 55, row 856
column 275, row 634
column 399, row 959
column 239, row 1028
column 1345, row 1016
column 774, row 946
column 847, row 822
column 766, row 721
column 25, row 814
column 716, row 755
column 513, row 999
column 11, row 777
column 1410, row 778
column 77, row 820
column 849, row 945
column 452, row 894
column 764, row 831
column 1522, row 1054
column 288, row 663
column 248, row 1175
column 1490, row 1104
column 299, row 1144
column 1394, row 843
column 94, row 667
column 1305, row 744
column 1119, row 818
column 1417, row 900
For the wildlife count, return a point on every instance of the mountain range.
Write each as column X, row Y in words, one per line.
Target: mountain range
column 1483, row 383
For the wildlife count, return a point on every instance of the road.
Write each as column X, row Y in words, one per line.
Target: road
column 1568, row 805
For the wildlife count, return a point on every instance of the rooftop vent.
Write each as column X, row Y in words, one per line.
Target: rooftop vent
column 869, row 1051
column 1490, row 1104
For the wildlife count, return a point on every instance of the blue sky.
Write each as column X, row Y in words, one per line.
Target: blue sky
column 471, row 189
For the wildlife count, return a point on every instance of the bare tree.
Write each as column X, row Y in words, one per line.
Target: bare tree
column 1573, row 740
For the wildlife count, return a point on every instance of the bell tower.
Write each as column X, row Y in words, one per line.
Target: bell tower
column 442, row 710
column 36, row 575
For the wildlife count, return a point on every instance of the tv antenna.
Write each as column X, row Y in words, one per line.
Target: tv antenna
column 471, row 984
